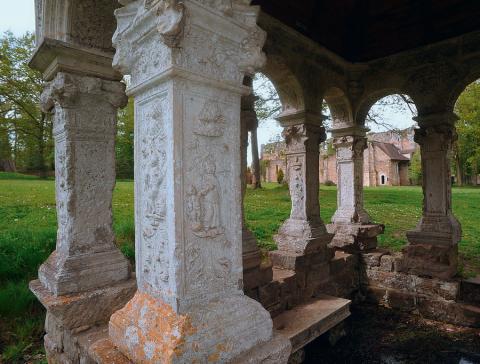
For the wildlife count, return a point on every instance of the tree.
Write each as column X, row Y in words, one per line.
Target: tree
column 124, row 141
column 467, row 147
column 26, row 129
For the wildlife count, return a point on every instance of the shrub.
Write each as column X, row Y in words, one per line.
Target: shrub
column 329, row 183
column 280, row 176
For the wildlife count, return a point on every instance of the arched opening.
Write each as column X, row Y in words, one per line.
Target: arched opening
column 465, row 172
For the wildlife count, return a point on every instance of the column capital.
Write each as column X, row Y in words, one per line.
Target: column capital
column 54, row 56
column 66, row 88
column 435, row 119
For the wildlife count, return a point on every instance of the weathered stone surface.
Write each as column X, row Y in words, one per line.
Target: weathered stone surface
column 306, row 322
column 372, row 259
column 355, row 237
column 275, row 351
column 470, row 291
column 433, row 287
column 257, row 276
column 87, row 308
column 349, row 144
column 85, row 112
column 300, row 262
column 430, row 260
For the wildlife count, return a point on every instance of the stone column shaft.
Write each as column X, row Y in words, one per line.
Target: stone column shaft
column 351, row 224
column 84, row 118
column 433, row 244
column 303, row 231
column 187, row 61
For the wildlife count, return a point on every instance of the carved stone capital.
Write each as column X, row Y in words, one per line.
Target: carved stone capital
column 65, row 90
column 436, row 132
column 213, row 39
column 349, row 147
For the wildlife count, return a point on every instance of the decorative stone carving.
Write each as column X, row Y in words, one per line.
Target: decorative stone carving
column 84, row 130
column 188, row 192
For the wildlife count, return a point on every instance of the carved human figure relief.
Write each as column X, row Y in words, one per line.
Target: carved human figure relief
column 203, row 201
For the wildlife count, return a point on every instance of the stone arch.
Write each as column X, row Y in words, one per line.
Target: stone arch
column 340, row 107
column 461, row 85
column 286, row 83
column 369, row 100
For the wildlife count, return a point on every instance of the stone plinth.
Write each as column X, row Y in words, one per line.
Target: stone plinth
column 433, row 244
column 354, row 238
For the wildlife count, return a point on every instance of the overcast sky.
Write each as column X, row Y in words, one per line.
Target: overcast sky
column 18, row 16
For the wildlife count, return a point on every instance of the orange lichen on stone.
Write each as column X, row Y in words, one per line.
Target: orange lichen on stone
column 148, row 330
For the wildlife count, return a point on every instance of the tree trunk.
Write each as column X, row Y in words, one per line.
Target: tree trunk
column 458, row 166
column 255, row 160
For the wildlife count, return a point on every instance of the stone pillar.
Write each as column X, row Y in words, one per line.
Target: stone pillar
column 255, row 273
column 86, row 278
column 303, row 232
column 84, row 127
column 351, row 224
column 433, row 244
column 187, row 61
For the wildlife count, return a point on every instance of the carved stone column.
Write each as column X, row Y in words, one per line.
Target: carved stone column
column 351, row 224
column 84, row 117
column 86, row 278
column 303, row 232
column 255, row 273
column 433, row 244
column 187, row 61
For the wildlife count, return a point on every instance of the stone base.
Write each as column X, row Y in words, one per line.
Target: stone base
column 74, row 321
column 148, row 330
column 302, row 237
column 297, row 262
column 85, row 309
column 84, row 272
column 354, row 238
column 431, row 260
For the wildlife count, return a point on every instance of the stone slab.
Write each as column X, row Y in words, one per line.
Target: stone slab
column 306, row 322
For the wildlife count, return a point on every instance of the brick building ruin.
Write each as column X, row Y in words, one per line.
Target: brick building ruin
column 201, row 291
column 386, row 159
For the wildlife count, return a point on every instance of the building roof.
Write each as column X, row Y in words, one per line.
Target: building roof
column 391, row 151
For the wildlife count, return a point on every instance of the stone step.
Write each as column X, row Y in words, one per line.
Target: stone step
column 306, row 322
column 470, row 291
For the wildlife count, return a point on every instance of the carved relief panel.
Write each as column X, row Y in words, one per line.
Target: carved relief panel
column 210, row 195
column 150, row 175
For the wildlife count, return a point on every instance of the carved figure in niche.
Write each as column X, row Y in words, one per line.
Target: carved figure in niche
column 211, row 121
column 203, row 202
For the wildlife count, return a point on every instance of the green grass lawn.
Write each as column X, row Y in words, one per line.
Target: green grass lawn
column 28, row 233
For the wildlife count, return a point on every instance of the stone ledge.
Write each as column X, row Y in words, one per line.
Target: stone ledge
column 306, row 322
column 86, row 308
column 436, row 309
